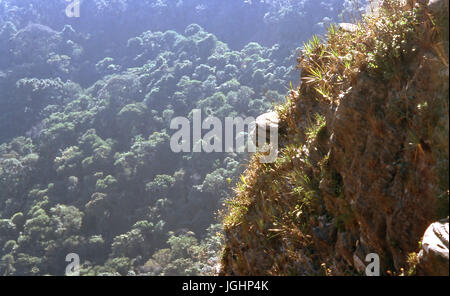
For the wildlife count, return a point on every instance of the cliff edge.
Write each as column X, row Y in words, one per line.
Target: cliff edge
column 363, row 154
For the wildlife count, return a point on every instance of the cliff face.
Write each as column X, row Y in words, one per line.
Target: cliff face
column 363, row 162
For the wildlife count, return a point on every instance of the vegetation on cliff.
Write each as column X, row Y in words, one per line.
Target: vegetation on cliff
column 363, row 160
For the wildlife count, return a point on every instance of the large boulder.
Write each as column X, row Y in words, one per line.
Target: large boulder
column 348, row 27
column 263, row 124
column 434, row 256
column 438, row 6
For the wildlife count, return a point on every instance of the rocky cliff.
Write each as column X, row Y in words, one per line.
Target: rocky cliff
column 363, row 155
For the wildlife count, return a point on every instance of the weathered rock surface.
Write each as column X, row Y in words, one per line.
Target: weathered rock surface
column 434, row 255
column 348, row 27
column 263, row 124
column 438, row 6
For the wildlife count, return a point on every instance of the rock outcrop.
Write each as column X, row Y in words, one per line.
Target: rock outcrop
column 433, row 258
column 348, row 27
column 263, row 124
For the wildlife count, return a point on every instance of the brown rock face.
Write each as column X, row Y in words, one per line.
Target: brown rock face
column 391, row 193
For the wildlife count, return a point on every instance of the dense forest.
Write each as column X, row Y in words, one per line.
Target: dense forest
column 86, row 105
